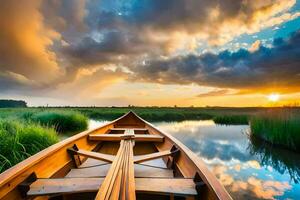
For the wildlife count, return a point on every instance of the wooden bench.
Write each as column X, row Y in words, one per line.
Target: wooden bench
column 166, row 186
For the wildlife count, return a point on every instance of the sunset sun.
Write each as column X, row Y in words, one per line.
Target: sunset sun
column 274, row 97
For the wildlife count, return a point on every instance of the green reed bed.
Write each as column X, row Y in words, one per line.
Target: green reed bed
column 20, row 140
column 278, row 127
column 62, row 121
column 149, row 114
column 231, row 119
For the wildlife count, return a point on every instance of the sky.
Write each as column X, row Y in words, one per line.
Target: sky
column 150, row 52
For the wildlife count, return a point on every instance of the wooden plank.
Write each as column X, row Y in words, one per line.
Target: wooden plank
column 64, row 185
column 98, row 171
column 106, row 137
column 148, row 138
column 129, row 132
column 119, row 182
column 123, row 129
column 90, row 162
column 176, row 186
column 142, row 171
column 96, row 155
column 101, row 171
column 158, row 162
column 142, row 158
column 119, row 137
column 106, row 187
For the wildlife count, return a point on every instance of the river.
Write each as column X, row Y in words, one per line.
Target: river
column 248, row 169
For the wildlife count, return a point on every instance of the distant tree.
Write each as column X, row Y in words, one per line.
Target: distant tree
column 7, row 103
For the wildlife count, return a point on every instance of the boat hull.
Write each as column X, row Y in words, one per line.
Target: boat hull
column 178, row 163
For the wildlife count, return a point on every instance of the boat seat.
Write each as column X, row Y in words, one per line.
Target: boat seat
column 166, row 186
column 119, row 137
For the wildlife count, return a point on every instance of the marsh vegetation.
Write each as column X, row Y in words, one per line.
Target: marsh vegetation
column 21, row 140
column 24, row 132
column 278, row 126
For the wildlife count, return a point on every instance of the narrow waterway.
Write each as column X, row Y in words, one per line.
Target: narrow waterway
column 248, row 169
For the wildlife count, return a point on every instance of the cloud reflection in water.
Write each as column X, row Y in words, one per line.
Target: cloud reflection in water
column 241, row 169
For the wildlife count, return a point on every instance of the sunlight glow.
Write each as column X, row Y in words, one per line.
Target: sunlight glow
column 273, row 97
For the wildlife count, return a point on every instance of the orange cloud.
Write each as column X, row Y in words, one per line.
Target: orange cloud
column 25, row 40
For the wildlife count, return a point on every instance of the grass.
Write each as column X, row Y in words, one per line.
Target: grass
column 26, row 131
column 20, row 140
column 62, row 121
column 278, row 127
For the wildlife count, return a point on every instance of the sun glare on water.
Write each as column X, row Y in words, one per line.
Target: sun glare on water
column 273, row 97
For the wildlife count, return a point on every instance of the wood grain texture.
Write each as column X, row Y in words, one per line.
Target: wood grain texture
column 143, row 158
column 119, row 137
column 119, row 182
column 176, row 186
column 96, row 155
column 102, row 170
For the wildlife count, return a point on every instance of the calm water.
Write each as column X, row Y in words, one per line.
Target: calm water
column 248, row 169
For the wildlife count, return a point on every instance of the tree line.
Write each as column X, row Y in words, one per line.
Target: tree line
column 4, row 103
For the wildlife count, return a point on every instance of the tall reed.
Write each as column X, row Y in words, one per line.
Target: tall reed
column 62, row 121
column 19, row 141
column 279, row 127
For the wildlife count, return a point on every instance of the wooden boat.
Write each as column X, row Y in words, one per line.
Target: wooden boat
column 127, row 158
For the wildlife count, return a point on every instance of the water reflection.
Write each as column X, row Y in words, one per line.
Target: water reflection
column 282, row 160
column 247, row 170
column 95, row 123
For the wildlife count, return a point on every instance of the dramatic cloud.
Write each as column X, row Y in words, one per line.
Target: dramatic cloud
column 275, row 67
column 24, row 41
column 48, row 47
column 181, row 23
column 151, row 28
